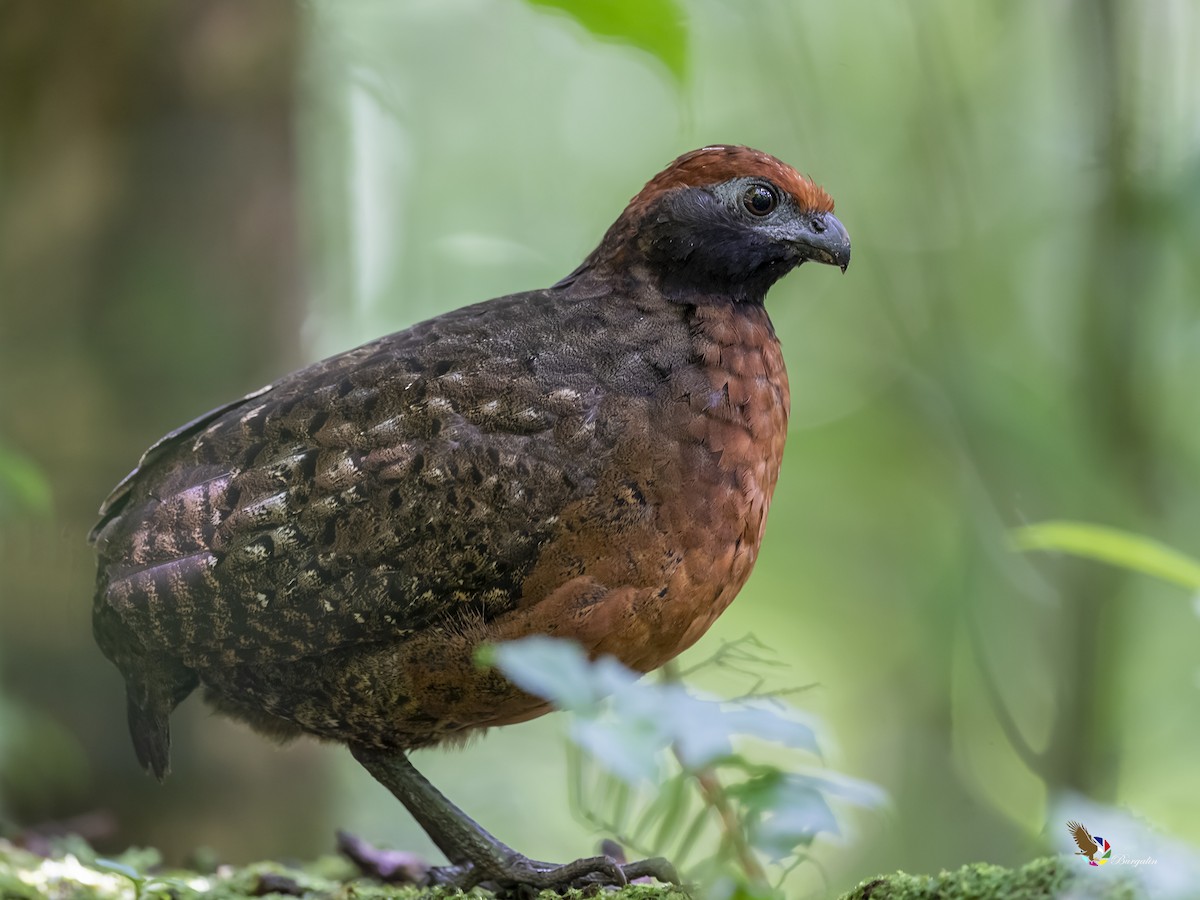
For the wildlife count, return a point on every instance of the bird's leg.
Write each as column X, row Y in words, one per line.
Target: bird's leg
column 475, row 855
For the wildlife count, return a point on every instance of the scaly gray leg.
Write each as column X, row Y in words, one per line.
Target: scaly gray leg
column 475, row 855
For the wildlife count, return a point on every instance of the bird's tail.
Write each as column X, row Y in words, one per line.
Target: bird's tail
column 149, row 708
column 151, row 733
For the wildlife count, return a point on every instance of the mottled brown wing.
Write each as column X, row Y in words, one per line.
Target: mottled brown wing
column 408, row 481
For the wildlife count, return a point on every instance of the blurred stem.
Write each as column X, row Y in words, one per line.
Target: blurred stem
column 714, row 796
column 1080, row 753
column 1124, row 258
column 1034, row 761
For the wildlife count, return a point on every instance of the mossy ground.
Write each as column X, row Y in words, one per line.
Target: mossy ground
column 74, row 872
column 1051, row 878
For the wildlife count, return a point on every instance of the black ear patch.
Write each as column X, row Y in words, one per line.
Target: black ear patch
column 701, row 242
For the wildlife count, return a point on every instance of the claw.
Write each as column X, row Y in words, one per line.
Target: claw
column 520, row 872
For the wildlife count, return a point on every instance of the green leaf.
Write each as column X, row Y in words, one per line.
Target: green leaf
column 655, row 26
column 1113, row 546
column 111, row 865
column 628, row 735
column 632, row 750
column 555, row 670
column 783, row 812
column 760, row 791
column 794, row 824
column 786, row 810
column 646, row 717
column 852, row 790
column 22, row 485
column 703, row 729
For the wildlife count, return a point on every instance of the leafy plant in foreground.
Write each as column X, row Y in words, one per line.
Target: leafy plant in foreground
column 667, row 770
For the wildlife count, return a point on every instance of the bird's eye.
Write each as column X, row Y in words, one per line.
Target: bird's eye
column 759, row 199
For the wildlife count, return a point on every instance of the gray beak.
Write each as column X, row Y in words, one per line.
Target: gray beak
column 822, row 238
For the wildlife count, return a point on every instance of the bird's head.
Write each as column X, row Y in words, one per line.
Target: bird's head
column 723, row 221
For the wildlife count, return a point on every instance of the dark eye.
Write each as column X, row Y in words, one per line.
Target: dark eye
column 759, row 199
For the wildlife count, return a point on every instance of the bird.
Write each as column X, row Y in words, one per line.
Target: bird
column 1083, row 840
column 591, row 461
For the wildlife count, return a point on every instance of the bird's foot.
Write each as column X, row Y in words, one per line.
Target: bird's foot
column 515, row 876
column 520, row 876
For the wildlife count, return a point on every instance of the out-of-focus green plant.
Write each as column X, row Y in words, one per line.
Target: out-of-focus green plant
column 1112, row 546
column 40, row 759
column 23, row 488
column 136, row 871
column 655, row 26
column 666, row 770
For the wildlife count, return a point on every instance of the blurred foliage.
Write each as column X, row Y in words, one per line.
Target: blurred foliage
column 148, row 270
column 1113, row 546
column 23, row 488
column 655, row 26
column 678, row 766
column 41, row 762
column 218, row 191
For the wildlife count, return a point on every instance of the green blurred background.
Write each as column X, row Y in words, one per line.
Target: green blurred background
column 197, row 197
